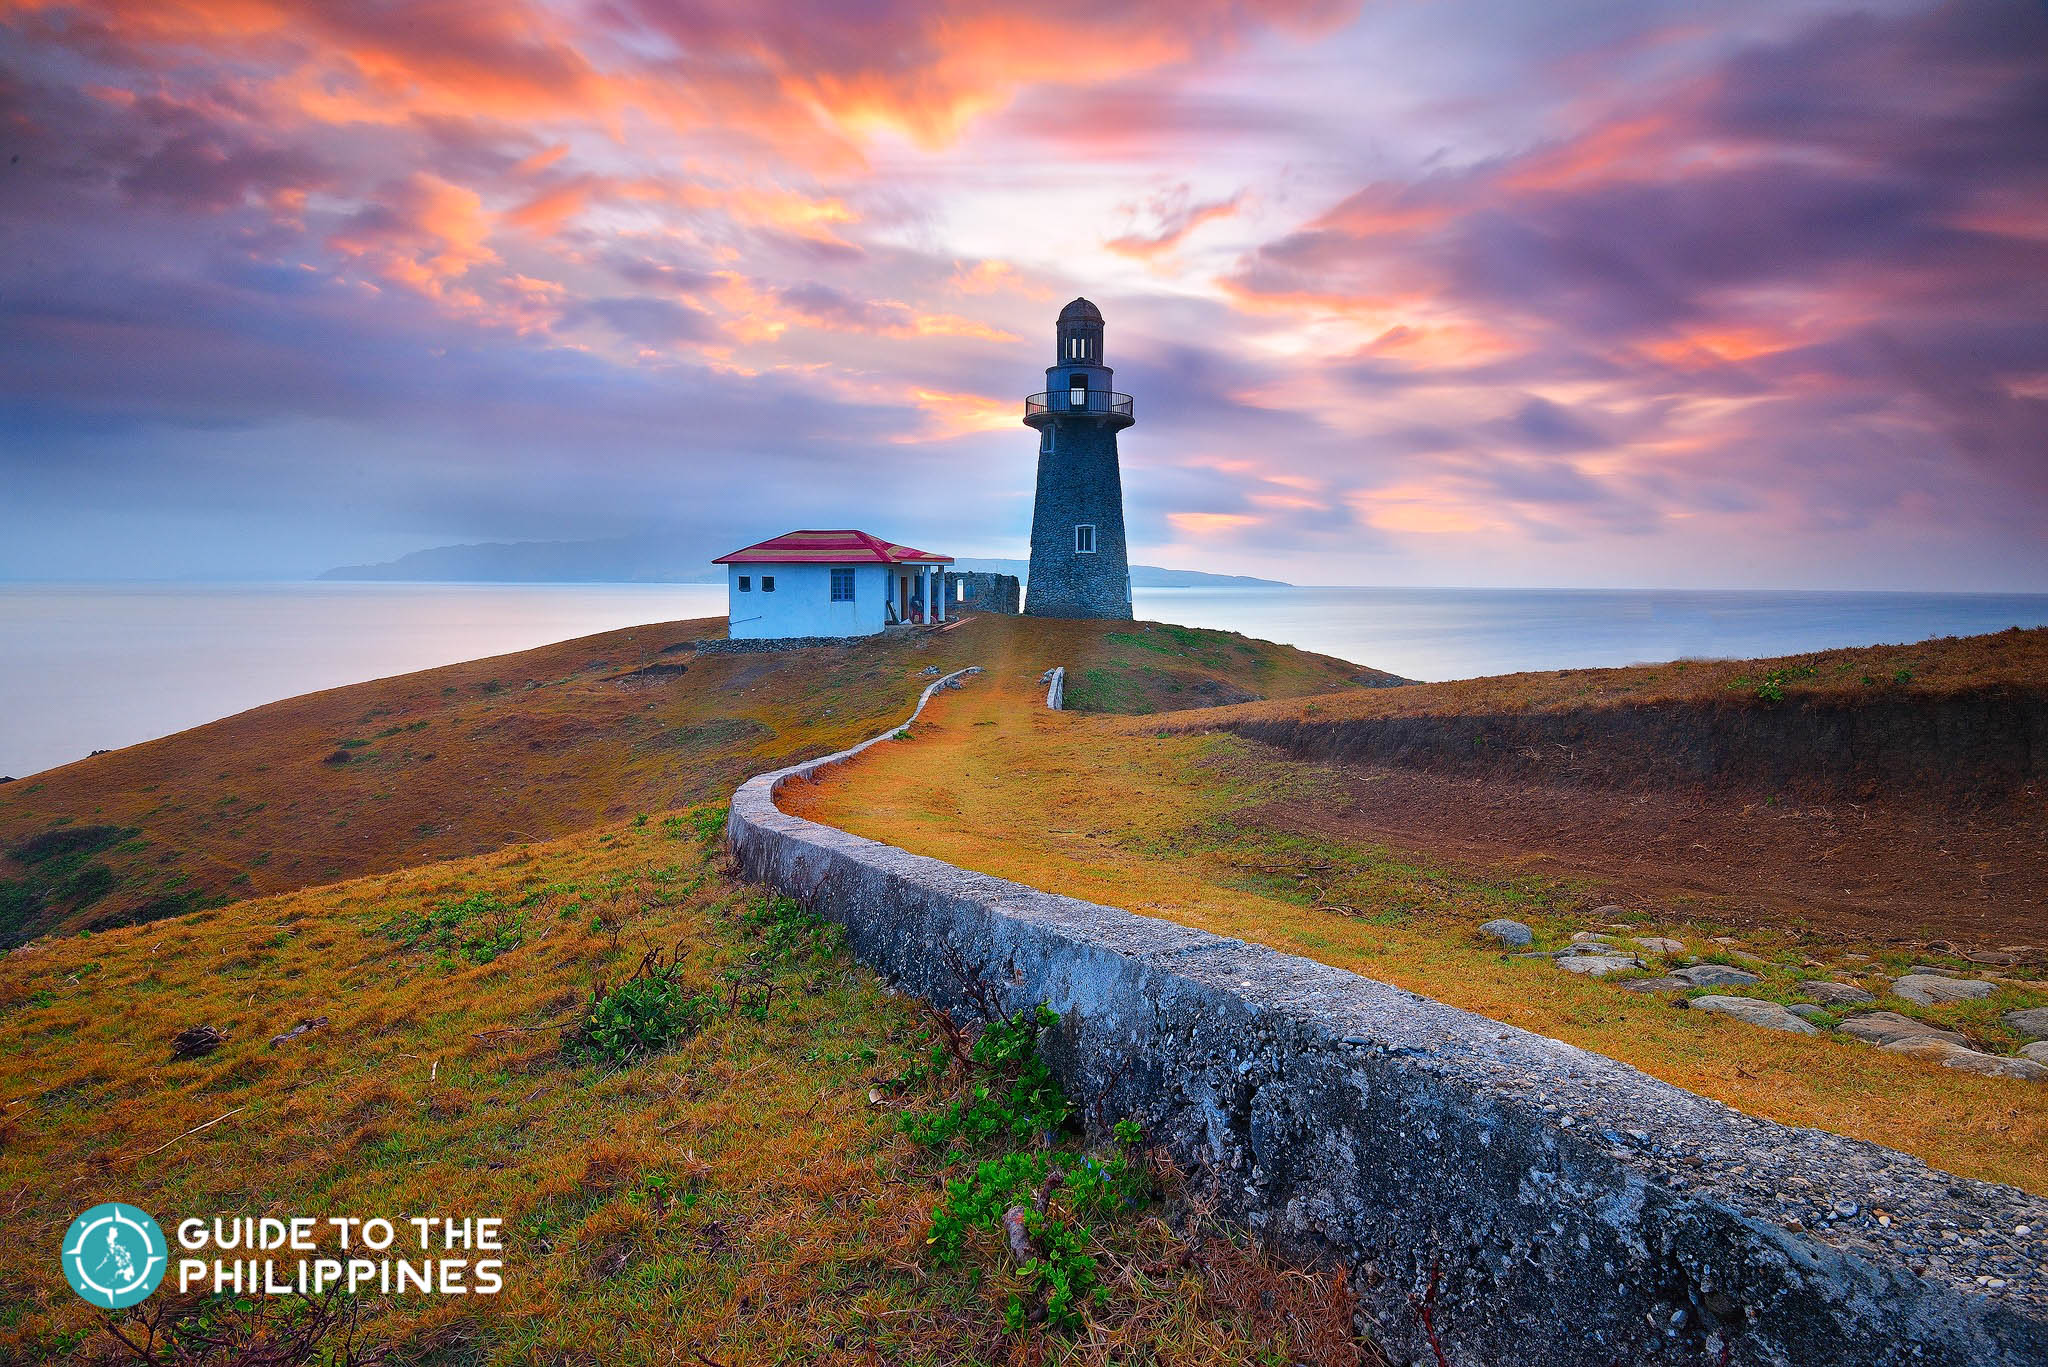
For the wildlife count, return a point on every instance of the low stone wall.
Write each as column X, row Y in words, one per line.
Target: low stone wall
column 750, row 645
column 985, row 592
column 1547, row 1205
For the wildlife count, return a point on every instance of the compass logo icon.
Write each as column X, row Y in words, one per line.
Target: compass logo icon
column 114, row 1255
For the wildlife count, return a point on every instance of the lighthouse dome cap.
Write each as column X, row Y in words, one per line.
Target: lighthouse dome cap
column 1080, row 310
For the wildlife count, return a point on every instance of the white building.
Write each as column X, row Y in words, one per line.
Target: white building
column 825, row 583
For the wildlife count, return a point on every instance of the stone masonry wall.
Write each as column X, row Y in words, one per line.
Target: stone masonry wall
column 1079, row 482
column 1551, row 1205
column 986, row 592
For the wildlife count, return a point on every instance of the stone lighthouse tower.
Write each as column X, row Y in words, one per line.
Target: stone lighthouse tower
column 1079, row 567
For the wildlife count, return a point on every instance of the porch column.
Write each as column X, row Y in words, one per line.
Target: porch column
column 939, row 581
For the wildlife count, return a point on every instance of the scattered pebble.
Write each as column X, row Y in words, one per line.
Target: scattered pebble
column 1967, row 1060
column 2033, row 1021
column 1889, row 1027
column 1654, row 985
column 1769, row 1015
column 1714, row 975
column 1931, row 990
column 1597, row 965
column 1512, row 933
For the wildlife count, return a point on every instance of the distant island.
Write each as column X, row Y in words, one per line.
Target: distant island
column 660, row 560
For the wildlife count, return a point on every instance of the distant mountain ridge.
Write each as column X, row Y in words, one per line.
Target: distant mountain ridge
column 656, row 560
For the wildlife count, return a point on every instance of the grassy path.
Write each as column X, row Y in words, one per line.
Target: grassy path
column 1169, row 825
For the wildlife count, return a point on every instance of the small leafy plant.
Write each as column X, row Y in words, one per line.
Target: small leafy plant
column 1031, row 1190
column 1770, row 685
column 651, row 1011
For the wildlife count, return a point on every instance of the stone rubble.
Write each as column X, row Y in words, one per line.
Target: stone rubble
column 1927, row 989
column 1769, row 1015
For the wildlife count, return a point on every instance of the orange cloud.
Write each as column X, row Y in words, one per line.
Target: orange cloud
column 1210, row 524
column 424, row 233
column 547, row 211
column 1175, row 224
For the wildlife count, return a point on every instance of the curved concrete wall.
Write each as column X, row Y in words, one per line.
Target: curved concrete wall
column 1568, row 1209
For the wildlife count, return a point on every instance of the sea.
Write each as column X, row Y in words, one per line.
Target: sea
column 87, row 667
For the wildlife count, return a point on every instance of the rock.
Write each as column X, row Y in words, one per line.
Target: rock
column 1929, row 990
column 197, row 1041
column 1747, row 957
column 1714, row 975
column 2032, row 1022
column 1836, row 994
column 1660, row 944
column 2037, row 1051
column 1951, row 1055
column 1610, row 912
column 1889, row 1027
column 1654, row 985
column 1726, row 940
column 1936, row 971
column 1589, row 937
column 1597, row 965
column 1807, row 1011
column 1511, row 933
column 1992, row 956
column 1769, row 1015
column 305, row 1024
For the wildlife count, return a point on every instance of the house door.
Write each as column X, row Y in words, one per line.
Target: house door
column 903, row 598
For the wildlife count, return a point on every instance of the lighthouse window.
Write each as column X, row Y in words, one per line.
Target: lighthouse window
column 746, row 583
column 1084, row 539
column 1045, row 440
column 842, row 586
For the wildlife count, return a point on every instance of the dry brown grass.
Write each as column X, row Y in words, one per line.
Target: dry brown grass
column 1088, row 807
column 2016, row 659
column 739, row 1196
column 742, row 1195
column 530, row 746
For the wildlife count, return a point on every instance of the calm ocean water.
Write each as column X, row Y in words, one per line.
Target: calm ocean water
column 91, row 667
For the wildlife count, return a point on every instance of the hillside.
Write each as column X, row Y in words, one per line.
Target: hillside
column 748, row 1189
column 1955, row 720
column 529, row 746
column 407, row 922
column 1389, row 869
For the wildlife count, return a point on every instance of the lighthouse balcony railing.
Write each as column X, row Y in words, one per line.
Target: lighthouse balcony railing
column 1102, row 401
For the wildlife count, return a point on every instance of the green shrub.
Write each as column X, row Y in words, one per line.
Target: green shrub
column 1013, row 1105
column 651, row 1011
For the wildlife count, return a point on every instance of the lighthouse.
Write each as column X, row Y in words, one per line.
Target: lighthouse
column 1079, row 567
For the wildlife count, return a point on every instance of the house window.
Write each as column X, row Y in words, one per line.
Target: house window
column 1084, row 539
column 746, row 583
column 842, row 586
column 767, row 583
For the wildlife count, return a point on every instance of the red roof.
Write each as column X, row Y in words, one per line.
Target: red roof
column 828, row 548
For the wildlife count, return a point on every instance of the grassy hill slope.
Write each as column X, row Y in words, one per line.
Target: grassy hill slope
column 444, row 869
column 1171, row 816
column 1957, row 720
column 751, row 1194
column 456, row 761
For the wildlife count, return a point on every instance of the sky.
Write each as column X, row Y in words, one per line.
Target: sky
column 1749, row 294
